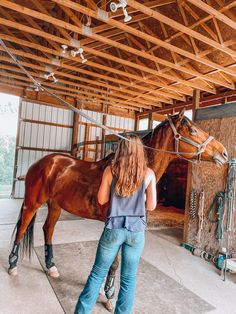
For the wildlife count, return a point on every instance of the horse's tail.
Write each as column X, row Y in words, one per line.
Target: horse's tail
column 28, row 239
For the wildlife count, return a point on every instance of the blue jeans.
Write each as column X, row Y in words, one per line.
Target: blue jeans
column 131, row 244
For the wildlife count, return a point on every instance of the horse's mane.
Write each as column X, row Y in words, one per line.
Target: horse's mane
column 154, row 131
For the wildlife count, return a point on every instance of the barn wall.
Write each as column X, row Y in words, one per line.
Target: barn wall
column 211, row 179
column 37, row 139
column 119, row 124
column 44, row 129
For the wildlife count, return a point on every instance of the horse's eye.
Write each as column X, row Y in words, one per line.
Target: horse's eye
column 193, row 131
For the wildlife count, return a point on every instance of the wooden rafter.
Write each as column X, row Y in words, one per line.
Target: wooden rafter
column 210, row 10
column 63, row 65
column 132, row 66
column 65, row 41
column 122, row 46
column 160, row 17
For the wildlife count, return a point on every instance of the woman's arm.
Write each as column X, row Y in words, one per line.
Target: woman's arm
column 151, row 192
column 104, row 189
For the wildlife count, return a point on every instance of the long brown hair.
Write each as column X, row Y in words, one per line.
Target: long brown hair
column 129, row 166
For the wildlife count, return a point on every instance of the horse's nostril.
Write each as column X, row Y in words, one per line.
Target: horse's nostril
column 224, row 154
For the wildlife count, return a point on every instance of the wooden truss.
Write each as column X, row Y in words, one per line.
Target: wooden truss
column 168, row 51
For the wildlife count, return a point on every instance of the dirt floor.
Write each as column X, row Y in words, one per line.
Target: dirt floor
column 166, row 216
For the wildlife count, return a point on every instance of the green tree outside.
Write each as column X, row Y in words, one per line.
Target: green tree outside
column 8, row 122
column 7, row 153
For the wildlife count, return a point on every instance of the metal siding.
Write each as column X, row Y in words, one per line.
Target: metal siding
column 40, row 136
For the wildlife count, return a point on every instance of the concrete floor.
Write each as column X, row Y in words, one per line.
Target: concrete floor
column 31, row 292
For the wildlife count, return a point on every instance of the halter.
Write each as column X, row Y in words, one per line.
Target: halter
column 178, row 137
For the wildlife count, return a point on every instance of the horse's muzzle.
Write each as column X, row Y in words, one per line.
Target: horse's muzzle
column 221, row 159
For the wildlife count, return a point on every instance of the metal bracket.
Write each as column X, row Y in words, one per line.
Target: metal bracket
column 64, row 54
column 56, row 62
column 75, row 43
column 87, row 31
column 48, row 69
column 102, row 15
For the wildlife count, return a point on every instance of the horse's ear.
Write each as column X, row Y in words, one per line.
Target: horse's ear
column 181, row 114
column 180, row 118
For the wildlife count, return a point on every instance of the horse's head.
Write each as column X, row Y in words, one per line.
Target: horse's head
column 193, row 143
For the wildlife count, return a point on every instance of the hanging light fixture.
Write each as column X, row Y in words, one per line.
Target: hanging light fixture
column 46, row 76
column 64, row 49
column 122, row 4
column 79, row 51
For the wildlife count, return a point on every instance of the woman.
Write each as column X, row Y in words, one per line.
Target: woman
column 130, row 186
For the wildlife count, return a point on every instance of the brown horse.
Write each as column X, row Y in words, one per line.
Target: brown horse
column 65, row 182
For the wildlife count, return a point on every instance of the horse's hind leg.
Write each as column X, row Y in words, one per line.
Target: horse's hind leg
column 110, row 281
column 54, row 212
column 24, row 228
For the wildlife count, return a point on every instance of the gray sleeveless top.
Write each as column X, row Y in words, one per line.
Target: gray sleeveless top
column 127, row 212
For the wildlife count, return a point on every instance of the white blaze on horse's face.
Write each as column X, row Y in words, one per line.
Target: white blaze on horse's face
column 195, row 140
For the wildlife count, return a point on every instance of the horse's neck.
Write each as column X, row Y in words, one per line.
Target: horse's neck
column 161, row 138
column 158, row 161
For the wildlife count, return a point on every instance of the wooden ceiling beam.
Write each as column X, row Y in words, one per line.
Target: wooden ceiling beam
column 71, row 15
column 84, row 88
column 211, row 50
column 118, row 45
column 37, row 97
column 196, row 17
column 144, row 36
column 166, row 20
column 136, row 18
column 42, row 9
column 67, row 42
column 101, row 54
column 209, row 81
column 205, row 53
column 25, row 34
column 70, row 91
column 185, row 21
column 210, row 10
column 157, row 41
column 64, row 66
column 199, row 22
column 73, row 69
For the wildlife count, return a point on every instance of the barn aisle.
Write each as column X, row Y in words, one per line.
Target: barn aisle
column 184, row 279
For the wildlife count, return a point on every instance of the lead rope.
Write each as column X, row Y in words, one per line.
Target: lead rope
column 200, row 215
column 80, row 112
column 193, row 204
column 230, row 195
column 218, row 204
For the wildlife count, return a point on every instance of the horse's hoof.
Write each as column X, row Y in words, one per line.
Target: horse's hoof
column 109, row 306
column 53, row 272
column 12, row 271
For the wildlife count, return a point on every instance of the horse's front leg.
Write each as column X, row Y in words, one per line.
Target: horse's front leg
column 110, row 281
column 54, row 212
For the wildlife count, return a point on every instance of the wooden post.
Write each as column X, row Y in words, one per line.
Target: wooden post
column 196, row 102
column 74, row 139
column 136, row 122
column 150, row 122
column 85, row 136
column 104, row 120
column 96, row 150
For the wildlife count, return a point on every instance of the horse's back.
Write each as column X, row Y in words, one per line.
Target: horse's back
column 72, row 183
